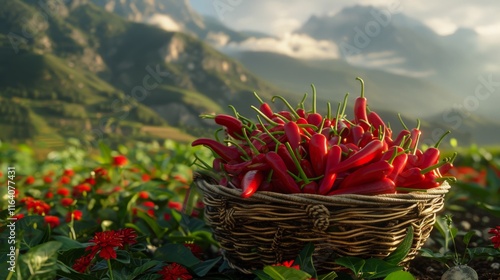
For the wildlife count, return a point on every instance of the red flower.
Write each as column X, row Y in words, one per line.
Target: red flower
column 288, row 264
column 77, row 215
column 149, row 204
column 65, row 180
column 100, row 172
column 49, row 195
column 67, row 201
column 145, row 177
column 105, row 243
column 38, row 207
column 495, row 239
column 69, row 172
column 63, row 191
column 18, row 216
column 80, row 189
column 143, row 195
column 174, row 271
column 128, row 236
column 82, row 264
column 195, row 249
column 175, row 205
column 53, row 221
column 47, row 179
column 90, row 181
column 120, row 160
column 29, row 180
column 117, row 189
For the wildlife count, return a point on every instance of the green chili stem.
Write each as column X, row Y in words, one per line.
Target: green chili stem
column 264, row 116
column 441, row 139
column 267, row 131
column 313, row 98
column 402, row 122
column 292, row 110
column 297, row 163
column 362, row 86
column 258, row 97
column 301, row 103
column 328, row 110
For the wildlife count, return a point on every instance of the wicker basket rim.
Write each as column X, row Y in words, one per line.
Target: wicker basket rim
column 301, row 198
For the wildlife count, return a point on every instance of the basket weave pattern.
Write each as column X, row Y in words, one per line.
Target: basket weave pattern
column 269, row 227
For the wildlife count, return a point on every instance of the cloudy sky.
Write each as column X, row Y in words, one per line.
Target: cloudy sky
column 281, row 17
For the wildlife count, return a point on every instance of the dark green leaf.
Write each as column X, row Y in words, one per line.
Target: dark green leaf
column 177, row 253
column 377, row 268
column 353, row 263
column 201, row 269
column 485, row 252
column 403, row 248
column 68, row 243
column 122, row 256
column 305, row 261
column 286, row 273
column 142, row 269
column 329, row 276
column 40, row 262
column 151, row 223
column 400, row 275
column 468, row 236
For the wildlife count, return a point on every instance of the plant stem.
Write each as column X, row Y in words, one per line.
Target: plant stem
column 110, row 270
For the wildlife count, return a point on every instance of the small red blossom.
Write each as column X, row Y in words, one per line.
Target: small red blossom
column 49, row 195
column 194, row 248
column 80, row 189
column 174, row 205
column 47, row 179
column 128, row 236
column 29, row 180
column 90, row 181
column 65, row 180
column 69, row 172
column 495, row 239
column 100, row 172
column 18, row 216
column 76, row 214
column 120, row 160
column 145, row 178
column 38, row 207
column 174, row 271
column 143, row 195
column 105, row 243
column 67, row 201
column 117, row 189
column 63, row 191
column 82, row 264
column 148, row 204
column 288, row 264
column 53, row 221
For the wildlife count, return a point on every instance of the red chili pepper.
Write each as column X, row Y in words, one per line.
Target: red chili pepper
column 368, row 153
column 287, row 158
column 445, row 168
column 301, row 112
column 415, row 159
column 251, row 182
column 266, row 109
column 236, row 168
column 280, row 170
column 360, row 116
column 332, row 161
column 429, row 157
column 292, row 132
column 266, row 186
column 409, row 177
column 376, row 121
column 234, row 126
column 287, row 115
column 399, row 164
column 356, row 133
column 399, row 139
column 217, row 164
column 384, row 186
column 315, row 119
column 317, row 152
column 227, row 153
column 311, row 188
column 428, row 182
column 372, row 172
column 365, row 139
column 415, row 136
column 308, row 169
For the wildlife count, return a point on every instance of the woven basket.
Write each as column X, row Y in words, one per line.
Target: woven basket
column 270, row 227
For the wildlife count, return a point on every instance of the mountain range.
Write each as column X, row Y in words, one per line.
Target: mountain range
column 132, row 69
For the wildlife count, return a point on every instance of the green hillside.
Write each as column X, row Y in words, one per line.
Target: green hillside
column 91, row 74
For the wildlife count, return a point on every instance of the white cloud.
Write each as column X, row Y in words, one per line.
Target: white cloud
column 294, row 45
column 165, row 22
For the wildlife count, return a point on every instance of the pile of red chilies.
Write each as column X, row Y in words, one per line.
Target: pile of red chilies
column 299, row 151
